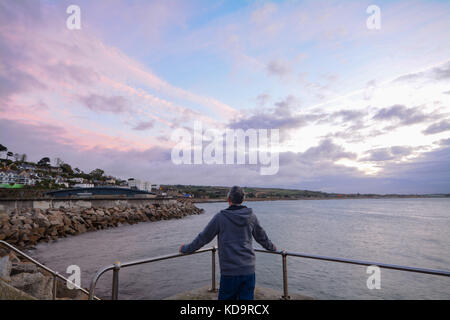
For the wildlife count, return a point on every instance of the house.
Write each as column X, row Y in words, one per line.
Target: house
column 27, row 166
column 61, row 180
column 26, row 178
column 8, row 177
column 77, row 180
column 110, row 181
column 55, row 169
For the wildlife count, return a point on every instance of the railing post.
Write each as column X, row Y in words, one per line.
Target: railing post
column 285, row 279
column 115, row 281
column 213, row 269
column 54, row 285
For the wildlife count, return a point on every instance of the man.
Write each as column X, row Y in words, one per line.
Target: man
column 235, row 228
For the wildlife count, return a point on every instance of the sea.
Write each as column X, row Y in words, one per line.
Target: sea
column 412, row 232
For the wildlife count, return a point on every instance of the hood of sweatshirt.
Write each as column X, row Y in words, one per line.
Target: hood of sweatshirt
column 239, row 215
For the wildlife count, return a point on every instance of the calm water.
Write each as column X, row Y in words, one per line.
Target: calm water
column 413, row 232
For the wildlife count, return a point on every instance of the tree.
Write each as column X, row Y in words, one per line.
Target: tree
column 97, row 174
column 58, row 162
column 16, row 157
column 66, row 168
column 23, row 158
column 44, row 162
column 3, row 148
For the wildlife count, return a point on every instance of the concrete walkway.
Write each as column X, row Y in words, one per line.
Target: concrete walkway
column 203, row 293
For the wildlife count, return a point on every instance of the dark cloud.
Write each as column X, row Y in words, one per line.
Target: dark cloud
column 98, row 103
column 279, row 117
column 441, row 73
column 327, row 151
column 145, row 125
column 441, row 126
column 386, row 154
column 278, row 68
column 438, row 73
column 81, row 74
column 403, row 115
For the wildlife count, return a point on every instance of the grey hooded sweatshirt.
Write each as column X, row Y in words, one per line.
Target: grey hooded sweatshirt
column 235, row 228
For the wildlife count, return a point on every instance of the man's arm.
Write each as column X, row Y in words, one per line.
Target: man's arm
column 210, row 231
column 261, row 237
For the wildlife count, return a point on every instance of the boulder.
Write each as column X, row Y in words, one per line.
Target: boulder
column 23, row 267
column 5, row 268
column 35, row 284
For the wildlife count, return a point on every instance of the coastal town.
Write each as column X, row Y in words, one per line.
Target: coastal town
column 18, row 173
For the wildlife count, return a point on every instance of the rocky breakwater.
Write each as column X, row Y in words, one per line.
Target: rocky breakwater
column 22, row 280
column 26, row 227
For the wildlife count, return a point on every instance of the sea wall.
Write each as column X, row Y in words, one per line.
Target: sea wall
column 91, row 202
column 25, row 226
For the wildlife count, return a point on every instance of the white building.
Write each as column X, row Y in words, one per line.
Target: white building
column 83, row 185
column 8, row 177
column 139, row 185
column 77, row 180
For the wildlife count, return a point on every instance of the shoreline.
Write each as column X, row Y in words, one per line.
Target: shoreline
column 26, row 227
column 204, row 200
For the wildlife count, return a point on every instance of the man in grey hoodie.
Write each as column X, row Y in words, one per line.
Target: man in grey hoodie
column 234, row 227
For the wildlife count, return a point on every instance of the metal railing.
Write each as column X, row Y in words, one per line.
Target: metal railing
column 284, row 254
column 117, row 266
column 55, row 274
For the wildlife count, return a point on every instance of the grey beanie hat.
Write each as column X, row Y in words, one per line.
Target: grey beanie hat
column 236, row 195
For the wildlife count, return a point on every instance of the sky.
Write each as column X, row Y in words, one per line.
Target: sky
column 358, row 109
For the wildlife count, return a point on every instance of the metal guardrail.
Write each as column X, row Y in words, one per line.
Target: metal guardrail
column 117, row 266
column 55, row 274
column 285, row 254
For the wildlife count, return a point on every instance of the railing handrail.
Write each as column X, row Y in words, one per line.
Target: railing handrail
column 120, row 265
column 40, row 265
column 117, row 266
column 361, row 262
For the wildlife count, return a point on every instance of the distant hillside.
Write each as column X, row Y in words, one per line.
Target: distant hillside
column 219, row 192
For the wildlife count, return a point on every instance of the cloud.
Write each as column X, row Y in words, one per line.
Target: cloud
column 326, row 151
column 404, row 115
column 437, row 73
column 98, row 103
column 262, row 99
column 69, row 72
column 438, row 127
column 278, row 117
column 279, row 68
column 386, row 154
column 145, row 125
